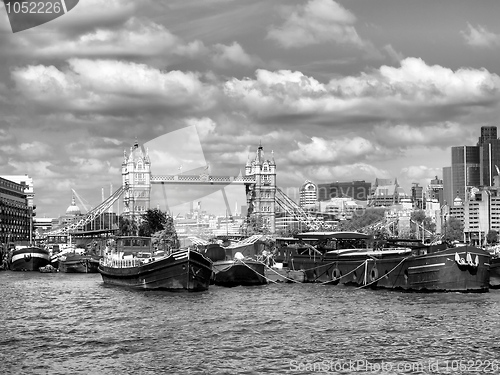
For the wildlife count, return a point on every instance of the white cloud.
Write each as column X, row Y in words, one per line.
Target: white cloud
column 231, row 55
column 316, row 22
column 419, row 173
column 204, row 126
column 97, row 85
column 136, row 38
column 324, row 151
column 345, row 172
column 405, row 135
column 480, row 37
column 388, row 93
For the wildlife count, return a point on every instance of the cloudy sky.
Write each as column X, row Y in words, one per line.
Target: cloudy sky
column 339, row 90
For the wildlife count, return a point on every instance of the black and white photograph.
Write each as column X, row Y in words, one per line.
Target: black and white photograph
column 249, row 187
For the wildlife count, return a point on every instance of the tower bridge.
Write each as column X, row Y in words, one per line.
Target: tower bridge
column 259, row 182
column 262, row 195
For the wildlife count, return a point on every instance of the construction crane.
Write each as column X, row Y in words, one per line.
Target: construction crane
column 80, row 200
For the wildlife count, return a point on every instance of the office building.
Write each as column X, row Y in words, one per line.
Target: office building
column 15, row 213
column 465, row 169
column 357, row 189
column 308, row 196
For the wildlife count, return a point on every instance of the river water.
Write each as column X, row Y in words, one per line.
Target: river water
column 73, row 324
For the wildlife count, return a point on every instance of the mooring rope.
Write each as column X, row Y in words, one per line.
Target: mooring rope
column 268, row 279
column 348, row 273
column 384, row 275
column 286, row 278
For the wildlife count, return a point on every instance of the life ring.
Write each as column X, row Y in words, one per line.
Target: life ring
column 460, row 261
column 336, row 274
column 374, row 273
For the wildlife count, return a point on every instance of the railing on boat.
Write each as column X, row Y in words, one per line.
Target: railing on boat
column 121, row 263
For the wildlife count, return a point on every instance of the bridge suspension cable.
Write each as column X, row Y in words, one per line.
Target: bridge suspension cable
column 91, row 215
column 297, row 212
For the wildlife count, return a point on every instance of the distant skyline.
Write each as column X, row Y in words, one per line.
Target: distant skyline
column 339, row 90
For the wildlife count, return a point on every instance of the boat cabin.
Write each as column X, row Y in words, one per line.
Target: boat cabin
column 135, row 246
column 318, row 243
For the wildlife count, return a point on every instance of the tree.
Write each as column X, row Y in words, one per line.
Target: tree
column 492, row 236
column 153, row 220
column 453, row 230
column 126, row 226
column 166, row 238
column 365, row 218
column 255, row 225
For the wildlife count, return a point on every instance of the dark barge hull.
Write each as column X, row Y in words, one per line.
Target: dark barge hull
column 460, row 269
column 495, row 273
column 29, row 259
column 183, row 270
column 231, row 273
column 79, row 264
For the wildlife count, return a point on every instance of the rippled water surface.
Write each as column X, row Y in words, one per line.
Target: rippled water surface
column 72, row 323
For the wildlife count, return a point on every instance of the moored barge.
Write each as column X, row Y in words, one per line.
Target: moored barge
column 348, row 258
column 134, row 264
column 28, row 258
column 231, row 271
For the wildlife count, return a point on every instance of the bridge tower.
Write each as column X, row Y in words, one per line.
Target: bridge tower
column 136, row 179
column 261, row 194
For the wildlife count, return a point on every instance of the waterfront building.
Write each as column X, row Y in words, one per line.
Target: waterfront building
column 15, row 212
column 435, row 191
column 417, row 196
column 476, row 216
column 308, row 196
column 341, row 208
column 42, row 225
column 457, row 210
column 386, row 193
column 27, row 183
column 482, row 212
column 357, row 189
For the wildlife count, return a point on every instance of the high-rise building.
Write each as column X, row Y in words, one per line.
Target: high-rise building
column 435, row 190
column 417, row 195
column 465, row 169
column 448, row 194
column 489, row 154
column 308, row 198
column 488, row 133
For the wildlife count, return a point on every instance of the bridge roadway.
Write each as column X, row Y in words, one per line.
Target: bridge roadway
column 202, row 180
